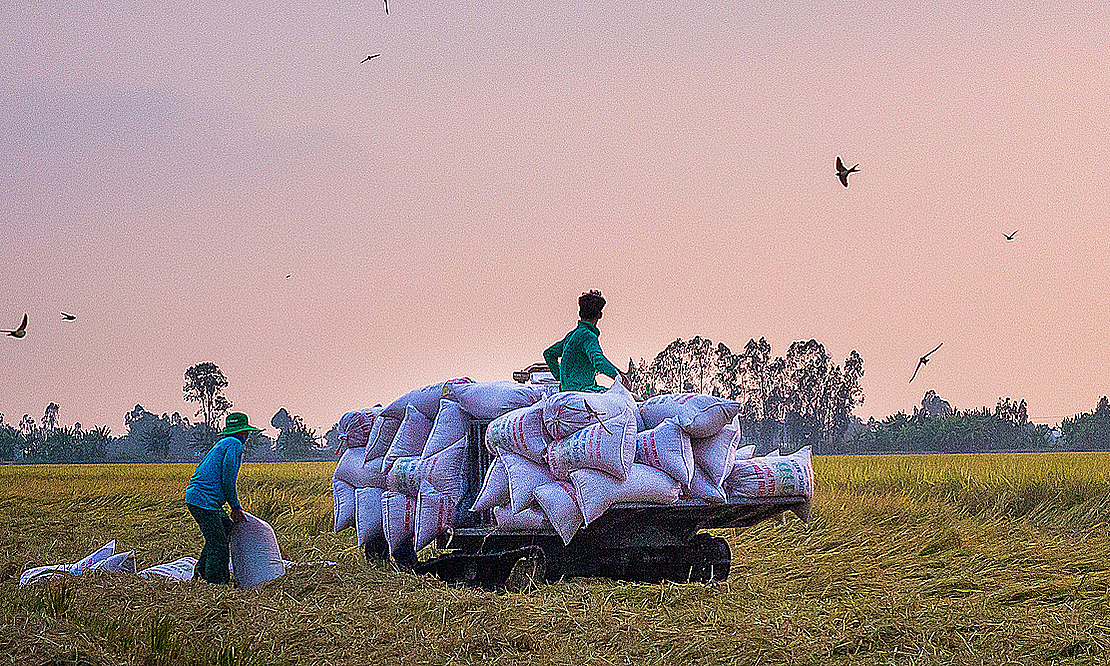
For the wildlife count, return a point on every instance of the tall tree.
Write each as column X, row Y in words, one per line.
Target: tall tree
column 204, row 384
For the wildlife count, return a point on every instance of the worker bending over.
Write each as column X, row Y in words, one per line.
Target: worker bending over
column 582, row 358
column 213, row 485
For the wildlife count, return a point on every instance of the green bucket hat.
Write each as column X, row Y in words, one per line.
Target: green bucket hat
column 237, row 422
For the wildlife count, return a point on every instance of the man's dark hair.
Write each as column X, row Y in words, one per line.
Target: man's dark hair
column 590, row 304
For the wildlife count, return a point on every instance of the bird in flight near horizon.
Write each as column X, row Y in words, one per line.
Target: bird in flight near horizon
column 369, row 57
column 923, row 360
column 1010, row 237
column 68, row 317
column 19, row 332
column 842, row 173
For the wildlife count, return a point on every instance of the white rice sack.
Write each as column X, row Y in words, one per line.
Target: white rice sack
column 381, row 436
column 701, row 488
column 398, row 518
column 435, row 513
column 56, row 571
column 701, row 416
column 745, row 452
column 443, row 470
column 488, row 400
column 368, row 514
column 352, row 470
column 609, row 446
column 716, row 455
column 667, row 447
column 425, row 398
column 525, row 519
column 560, row 504
column 524, row 477
column 343, row 494
column 354, row 427
column 597, row 491
column 773, row 476
column 254, row 552
column 410, row 439
column 180, row 569
column 406, row 475
column 568, row 412
column 495, row 489
column 450, row 426
column 520, row 431
column 118, row 563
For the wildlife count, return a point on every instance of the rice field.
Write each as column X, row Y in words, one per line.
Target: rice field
column 955, row 559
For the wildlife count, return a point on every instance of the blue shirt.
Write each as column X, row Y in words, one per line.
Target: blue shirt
column 214, row 481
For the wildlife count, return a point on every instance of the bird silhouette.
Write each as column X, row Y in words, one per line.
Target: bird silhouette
column 68, row 317
column 19, row 332
column 288, row 276
column 1010, row 237
column 369, row 57
column 923, row 360
column 842, row 173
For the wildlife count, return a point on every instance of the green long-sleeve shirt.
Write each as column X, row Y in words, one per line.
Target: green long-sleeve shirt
column 582, row 359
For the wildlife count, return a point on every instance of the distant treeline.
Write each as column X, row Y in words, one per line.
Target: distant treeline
column 801, row 398
column 165, row 438
column 152, row 438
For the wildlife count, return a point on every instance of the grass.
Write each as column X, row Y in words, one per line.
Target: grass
column 977, row 559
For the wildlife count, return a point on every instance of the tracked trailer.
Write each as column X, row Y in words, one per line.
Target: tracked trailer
column 634, row 542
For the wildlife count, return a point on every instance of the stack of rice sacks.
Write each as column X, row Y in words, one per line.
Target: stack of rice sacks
column 562, row 462
column 424, row 461
column 357, row 485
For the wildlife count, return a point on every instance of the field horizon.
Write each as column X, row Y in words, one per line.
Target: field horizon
column 909, row 559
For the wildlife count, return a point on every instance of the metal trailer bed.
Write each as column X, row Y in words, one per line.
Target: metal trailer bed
column 637, row 542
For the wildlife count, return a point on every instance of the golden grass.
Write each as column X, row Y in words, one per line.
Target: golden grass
column 986, row 559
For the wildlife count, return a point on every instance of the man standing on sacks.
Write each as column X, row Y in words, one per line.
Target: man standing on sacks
column 582, row 358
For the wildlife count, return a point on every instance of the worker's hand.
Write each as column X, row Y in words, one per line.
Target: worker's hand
column 237, row 516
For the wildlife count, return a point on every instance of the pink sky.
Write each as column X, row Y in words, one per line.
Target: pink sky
column 440, row 208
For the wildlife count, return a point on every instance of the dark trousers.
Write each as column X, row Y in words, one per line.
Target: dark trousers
column 215, row 526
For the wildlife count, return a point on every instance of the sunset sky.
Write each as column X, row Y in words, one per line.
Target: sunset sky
column 440, row 208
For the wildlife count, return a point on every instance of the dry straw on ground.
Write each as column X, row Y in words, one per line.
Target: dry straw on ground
column 986, row 559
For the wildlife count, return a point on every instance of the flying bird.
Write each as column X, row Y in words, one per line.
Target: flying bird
column 1010, row 237
column 923, row 360
column 369, row 57
column 288, row 276
column 842, row 173
column 68, row 317
column 19, row 332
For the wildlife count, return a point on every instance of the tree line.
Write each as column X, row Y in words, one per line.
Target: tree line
column 802, row 397
column 164, row 438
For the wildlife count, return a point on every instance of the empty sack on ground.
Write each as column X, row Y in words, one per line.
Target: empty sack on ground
column 179, row 569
